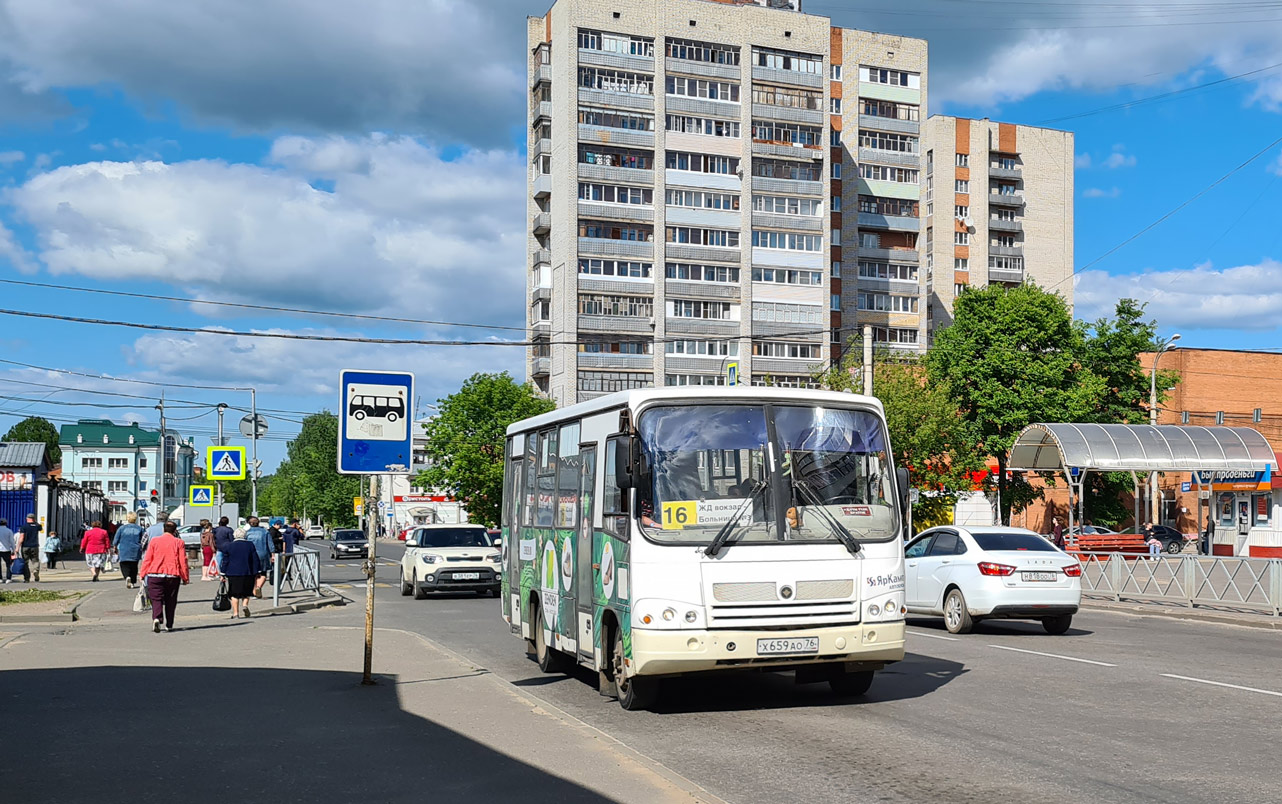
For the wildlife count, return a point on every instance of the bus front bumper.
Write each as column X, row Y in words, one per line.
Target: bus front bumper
column 674, row 652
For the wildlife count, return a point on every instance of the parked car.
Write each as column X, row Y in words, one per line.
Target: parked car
column 190, row 534
column 1095, row 530
column 349, row 543
column 446, row 558
column 1172, row 540
column 314, row 532
column 976, row 573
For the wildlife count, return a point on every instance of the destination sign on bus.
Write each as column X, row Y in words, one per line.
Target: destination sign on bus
column 689, row 513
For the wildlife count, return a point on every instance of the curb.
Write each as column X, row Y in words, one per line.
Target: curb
column 1264, row 621
column 63, row 617
column 73, row 611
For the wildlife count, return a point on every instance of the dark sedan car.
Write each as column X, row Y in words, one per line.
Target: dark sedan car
column 1172, row 540
column 349, row 544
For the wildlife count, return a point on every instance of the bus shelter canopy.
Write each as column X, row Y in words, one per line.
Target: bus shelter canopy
column 1140, row 448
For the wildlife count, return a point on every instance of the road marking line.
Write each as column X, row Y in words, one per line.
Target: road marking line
column 932, row 636
column 1221, row 684
column 1054, row 656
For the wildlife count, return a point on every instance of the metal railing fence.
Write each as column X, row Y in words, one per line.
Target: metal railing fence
column 1241, row 583
column 301, row 572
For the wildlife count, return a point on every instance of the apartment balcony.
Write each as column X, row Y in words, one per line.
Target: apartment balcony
column 633, row 325
column 603, row 135
column 540, row 294
column 703, row 107
column 678, row 288
column 1006, row 199
column 697, row 364
column 788, row 114
column 540, row 366
column 704, row 218
column 880, row 157
column 787, row 365
column 589, row 283
column 614, row 360
column 1005, row 173
column 901, row 255
column 889, row 124
column 999, row 225
column 601, row 247
column 703, row 69
column 541, row 109
column 542, row 185
column 616, row 212
column 728, row 182
column 701, row 326
column 1005, row 275
column 538, row 328
column 541, row 256
column 541, row 73
column 896, row 223
column 542, row 146
column 611, row 173
column 798, row 223
column 621, row 100
column 542, row 223
column 789, row 186
column 1007, row 251
column 773, row 76
column 617, row 61
column 687, row 251
column 792, row 329
column 787, row 151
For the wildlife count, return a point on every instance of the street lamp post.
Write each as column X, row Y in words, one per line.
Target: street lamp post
column 1154, row 511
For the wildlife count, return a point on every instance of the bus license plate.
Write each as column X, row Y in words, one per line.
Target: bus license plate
column 1038, row 576
column 467, row 576
column 778, row 647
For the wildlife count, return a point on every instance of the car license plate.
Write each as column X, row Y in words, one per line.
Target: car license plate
column 467, row 576
column 1039, row 576
column 778, row 647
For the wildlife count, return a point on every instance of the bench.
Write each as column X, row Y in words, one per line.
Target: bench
column 1128, row 543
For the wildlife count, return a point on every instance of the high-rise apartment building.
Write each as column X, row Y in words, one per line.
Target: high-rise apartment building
column 716, row 182
column 999, row 208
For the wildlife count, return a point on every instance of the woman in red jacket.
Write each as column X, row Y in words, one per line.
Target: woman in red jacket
column 164, row 565
column 95, row 545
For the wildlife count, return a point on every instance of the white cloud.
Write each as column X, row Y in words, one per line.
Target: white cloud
column 11, row 157
column 450, row 69
column 13, row 252
column 1098, row 192
column 402, row 232
column 1082, row 161
column 1245, row 297
column 1119, row 158
column 1276, row 167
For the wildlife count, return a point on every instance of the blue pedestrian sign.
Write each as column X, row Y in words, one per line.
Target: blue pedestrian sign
column 375, row 413
column 732, row 373
column 201, row 496
column 225, row 463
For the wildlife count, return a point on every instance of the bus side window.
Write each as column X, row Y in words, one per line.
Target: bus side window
column 614, row 501
column 531, row 471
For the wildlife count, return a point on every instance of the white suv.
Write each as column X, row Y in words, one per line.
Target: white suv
column 446, row 558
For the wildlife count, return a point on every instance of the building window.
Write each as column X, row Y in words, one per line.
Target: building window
column 617, row 347
column 611, row 230
column 707, row 126
column 784, row 381
column 694, row 379
column 889, row 109
column 836, row 302
column 894, row 335
column 695, row 348
column 1007, row 163
column 884, row 141
column 611, row 118
column 614, row 194
column 895, row 207
column 786, row 60
column 702, row 199
column 542, row 310
column 834, row 105
column 961, row 212
column 887, row 173
column 961, row 238
column 836, row 170
column 962, row 186
column 836, row 203
column 787, row 276
column 787, row 205
column 616, row 43
column 836, row 72
column 91, row 463
column 95, row 485
column 834, row 138
column 770, row 131
column 722, row 238
column 789, row 241
column 795, row 171
column 702, row 163
column 703, row 88
column 688, row 308
column 958, row 288
column 873, row 269
column 836, row 268
column 1004, row 215
column 894, row 78
column 617, row 81
column 117, row 463
column 627, row 269
column 607, row 381
column 702, row 273
column 615, row 157
column 963, row 160
column 142, row 462
column 869, row 240
column 117, row 486
column 783, row 313
column 703, row 51
column 1007, row 241
column 1002, row 263
column 836, row 237
column 1002, row 188
column 887, row 303
column 791, row 97
column 607, row 304
column 961, row 264
column 802, row 351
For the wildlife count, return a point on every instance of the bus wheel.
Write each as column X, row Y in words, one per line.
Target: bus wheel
column 550, row 659
column 637, row 692
column 851, row 684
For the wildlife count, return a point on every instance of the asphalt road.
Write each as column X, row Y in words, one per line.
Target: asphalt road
column 1122, row 708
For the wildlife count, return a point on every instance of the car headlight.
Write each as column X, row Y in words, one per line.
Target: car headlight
column 429, row 558
column 496, row 558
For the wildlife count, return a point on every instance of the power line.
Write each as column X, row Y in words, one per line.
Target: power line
column 125, row 379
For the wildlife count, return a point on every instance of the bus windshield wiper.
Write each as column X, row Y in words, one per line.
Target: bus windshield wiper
column 839, row 530
column 727, row 529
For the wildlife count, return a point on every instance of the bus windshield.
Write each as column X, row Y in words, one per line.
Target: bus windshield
column 782, row 472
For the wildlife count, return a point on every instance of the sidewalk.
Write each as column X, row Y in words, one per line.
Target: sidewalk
column 263, row 710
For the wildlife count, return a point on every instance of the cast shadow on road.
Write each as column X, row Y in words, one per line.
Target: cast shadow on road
column 733, row 691
column 1029, row 628
column 248, row 735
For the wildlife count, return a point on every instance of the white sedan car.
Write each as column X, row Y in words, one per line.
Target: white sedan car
column 977, row 573
column 450, row 558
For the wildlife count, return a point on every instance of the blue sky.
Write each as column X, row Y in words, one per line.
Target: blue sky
column 365, row 157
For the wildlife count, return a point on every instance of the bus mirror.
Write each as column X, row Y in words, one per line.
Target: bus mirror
column 624, row 447
column 901, row 483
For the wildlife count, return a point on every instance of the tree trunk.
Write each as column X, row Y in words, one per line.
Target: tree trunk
column 1003, row 499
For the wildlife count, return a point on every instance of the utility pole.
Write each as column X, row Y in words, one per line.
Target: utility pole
column 867, row 361
column 1155, row 515
column 160, row 505
column 371, row 522
column 253, row 463
column 222, row 408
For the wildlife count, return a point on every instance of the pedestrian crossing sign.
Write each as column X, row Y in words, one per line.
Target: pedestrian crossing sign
column 201, row 496
column 225, row 463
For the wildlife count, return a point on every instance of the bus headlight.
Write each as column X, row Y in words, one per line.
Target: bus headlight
column 666, row 614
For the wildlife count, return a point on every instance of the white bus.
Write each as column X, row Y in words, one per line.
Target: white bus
column 666, row 531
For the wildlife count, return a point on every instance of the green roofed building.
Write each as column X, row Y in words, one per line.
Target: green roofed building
column 124, row 462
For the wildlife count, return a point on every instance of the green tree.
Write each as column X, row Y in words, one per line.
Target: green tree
column 34, row 429
column 927, row 436
column 465, row 440
column 1011, row 358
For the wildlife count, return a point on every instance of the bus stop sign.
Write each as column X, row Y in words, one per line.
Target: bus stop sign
column 375, row 413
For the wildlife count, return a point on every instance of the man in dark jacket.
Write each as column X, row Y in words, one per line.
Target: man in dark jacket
column 223, row 537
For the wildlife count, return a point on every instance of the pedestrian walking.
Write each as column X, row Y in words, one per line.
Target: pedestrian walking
column 155, row 530
column 164, row 566
column 257, row 535
column 8, row 550
column 1208, row 537
column 29, row 548
column 242, row 569
column 223, row 536
column 128, row 544
column 96, row 545
column 206, row 550
column 292, row 536
column 1057, row 532
column 53, row 546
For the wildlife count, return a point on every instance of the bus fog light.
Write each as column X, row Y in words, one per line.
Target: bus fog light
column 890, row 607
column 691, row 616
column 871, row 636
column 840, row 643
column 647, row 619
column 874, row 610
column 668, row 614
column 693, row 644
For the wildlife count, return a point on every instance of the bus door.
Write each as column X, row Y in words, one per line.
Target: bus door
column 585, row 579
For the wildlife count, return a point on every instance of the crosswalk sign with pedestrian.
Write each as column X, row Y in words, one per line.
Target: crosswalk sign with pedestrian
column 225, row 463
column 201, row 496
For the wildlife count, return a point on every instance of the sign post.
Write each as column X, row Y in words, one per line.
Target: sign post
column 374, row 437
